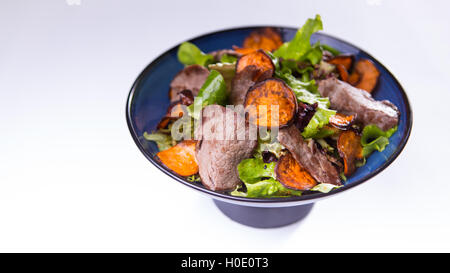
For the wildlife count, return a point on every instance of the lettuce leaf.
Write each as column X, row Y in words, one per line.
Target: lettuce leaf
column 260, row 180
column 373, row 138
column 274, row 147
column 252, row 170
column 163, row 141
column 228, row 59
column 325, row 187
column 321, row 118
column 266, row 188
column 307, row 92
column 330, row 49
column 188, row 54
column 213, row 91
column 227, row 70
column 299, row 48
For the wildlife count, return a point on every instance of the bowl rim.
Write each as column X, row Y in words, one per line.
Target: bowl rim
column 288, row 201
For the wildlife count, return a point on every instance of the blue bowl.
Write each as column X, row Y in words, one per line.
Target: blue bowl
column 148, row 101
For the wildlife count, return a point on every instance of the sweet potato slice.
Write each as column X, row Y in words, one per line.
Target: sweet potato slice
column 292, row 175
column 174, row 111
column 267, row 39
column 244, row 51
column 260, row 60
column 350, row 149
column 343, row 73
column 369, row 75
column 341, row 121
column 345, row 60
column 180, row 158
column 271, row 92
column 354, row 78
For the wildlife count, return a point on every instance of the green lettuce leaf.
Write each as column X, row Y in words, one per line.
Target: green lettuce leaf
column 228, row 59
column 252, row 170
column 307, row 92
column 260, row 180
column 330, row 49
column 213, row 91
column 274, row 147
column 325, row 187
column 373, row 138
column 265, row 189
column 227, row 70
column 163, row 141
column 299, row 48
column 189, row 53
column 321, row 118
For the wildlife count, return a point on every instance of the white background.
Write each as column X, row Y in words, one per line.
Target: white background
column 72, row 179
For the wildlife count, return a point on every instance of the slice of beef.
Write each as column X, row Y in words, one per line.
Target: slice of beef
column 219, row 149
column 219, row 53
column 350, row 100
column 191, row 78
column 243, row 80
column 309, row 156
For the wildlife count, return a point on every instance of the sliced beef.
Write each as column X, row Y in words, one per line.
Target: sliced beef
column 309, row 156
column 191, row 78
column 350, row 100
column 243, row 80
column 219, row 149
column 219, row 53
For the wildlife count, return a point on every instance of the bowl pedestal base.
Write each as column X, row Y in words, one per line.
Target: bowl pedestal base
column 264, row 217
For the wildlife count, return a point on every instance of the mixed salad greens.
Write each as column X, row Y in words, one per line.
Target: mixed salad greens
column 344, row 140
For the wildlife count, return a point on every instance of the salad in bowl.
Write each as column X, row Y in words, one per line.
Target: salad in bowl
column 272, row 118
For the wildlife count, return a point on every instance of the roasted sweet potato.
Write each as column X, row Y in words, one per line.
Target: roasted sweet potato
column 267, row 39
column 341, row 121
column 271, row 92
column 354, row 78
column 292, row 175
column 343, row 73
column 180, row 158
column 260, row 60
column 174, row 111
column 345, row 60
column 164, row 122
column 244, row 51
column 369, row 75
column 350, row 149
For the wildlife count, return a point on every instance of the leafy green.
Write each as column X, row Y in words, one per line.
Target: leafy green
column 163, row 141
column 274, row 147
column 265, row 189
column 260, row 180
column 252, row 170
column 189, row 53
column 325, row 145
column 330, row 49
column 228, row 59
column 321, row 118
column 213, row 91
column 307, row 92
column 299, row 48
column 373, row 138
column 193, row 178
column 227, row 70
column 314, row 55
column 324, row 132
column 324, row 187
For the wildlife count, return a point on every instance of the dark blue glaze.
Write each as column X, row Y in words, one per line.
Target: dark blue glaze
column 148, row 101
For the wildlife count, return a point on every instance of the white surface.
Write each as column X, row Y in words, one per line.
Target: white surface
column 72, row 179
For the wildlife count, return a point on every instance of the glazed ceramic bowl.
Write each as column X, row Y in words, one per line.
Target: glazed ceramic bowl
column 148, row 101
